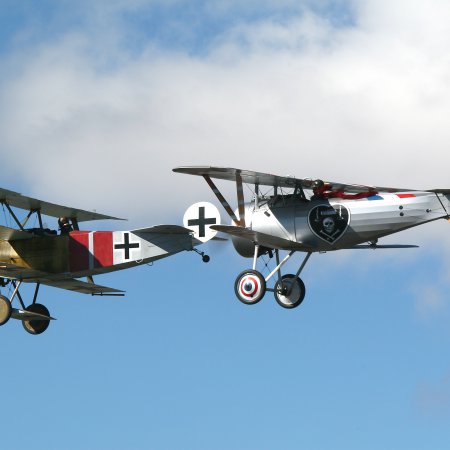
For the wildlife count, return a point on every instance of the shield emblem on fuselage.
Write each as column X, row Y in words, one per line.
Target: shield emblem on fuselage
column 328, row 222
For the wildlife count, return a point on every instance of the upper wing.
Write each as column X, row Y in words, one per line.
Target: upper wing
column 228, row 173
column 265, row 179
column 49, row 209
column 440, row 191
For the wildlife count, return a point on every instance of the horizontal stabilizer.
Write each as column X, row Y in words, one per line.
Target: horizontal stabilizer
column 164, row 229
column 21, row 314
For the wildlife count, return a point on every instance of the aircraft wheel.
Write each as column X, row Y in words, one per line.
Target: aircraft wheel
column 5, row 310
column 289, row 292
column 36, row 326
column 250, row 287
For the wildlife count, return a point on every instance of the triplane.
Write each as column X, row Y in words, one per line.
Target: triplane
column 309, row 216
column 59, row 257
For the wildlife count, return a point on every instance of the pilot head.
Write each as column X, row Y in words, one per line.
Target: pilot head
column 64, row 225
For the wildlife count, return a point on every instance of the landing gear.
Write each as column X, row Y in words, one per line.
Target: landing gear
column 37, row 325
column 250, row 287
column 289, row 290
column 5, row 310
column 35, row 318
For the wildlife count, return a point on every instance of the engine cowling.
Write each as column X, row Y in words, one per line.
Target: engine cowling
column 246, row 248
column 243, row 246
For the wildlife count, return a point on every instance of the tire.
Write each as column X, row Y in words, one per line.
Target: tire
column 296, row 295
column 250, row 287
column 36, row 326
column 5, row 310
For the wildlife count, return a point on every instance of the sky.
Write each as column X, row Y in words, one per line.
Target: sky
column 100, row 100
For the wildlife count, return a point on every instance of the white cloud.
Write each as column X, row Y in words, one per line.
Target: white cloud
column 89, row 123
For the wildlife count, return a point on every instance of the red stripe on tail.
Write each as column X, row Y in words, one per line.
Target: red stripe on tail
column 103, row 248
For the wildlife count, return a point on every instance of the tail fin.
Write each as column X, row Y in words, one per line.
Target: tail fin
column 199, row 217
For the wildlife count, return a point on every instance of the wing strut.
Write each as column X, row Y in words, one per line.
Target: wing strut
column 240, row 199
column 13, row 215
column 222, row 200
column 25, row 221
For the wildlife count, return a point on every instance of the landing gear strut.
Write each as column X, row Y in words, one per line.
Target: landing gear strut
column 35, row 318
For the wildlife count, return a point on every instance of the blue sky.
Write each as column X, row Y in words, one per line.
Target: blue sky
column 100, row 100
column 196, row 23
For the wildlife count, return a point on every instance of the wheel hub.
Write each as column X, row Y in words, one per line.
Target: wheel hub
column 289, row 292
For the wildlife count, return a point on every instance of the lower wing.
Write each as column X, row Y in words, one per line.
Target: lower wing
column 266, row 240
column 13, row 272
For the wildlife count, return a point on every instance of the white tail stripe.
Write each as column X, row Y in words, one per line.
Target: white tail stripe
column 91, row 249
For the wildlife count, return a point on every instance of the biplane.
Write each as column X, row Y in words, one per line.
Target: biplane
column 309, row 216
column 59, row 258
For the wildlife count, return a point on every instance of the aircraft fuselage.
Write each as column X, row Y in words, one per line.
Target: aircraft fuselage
column 82, row 253
column 335, row 223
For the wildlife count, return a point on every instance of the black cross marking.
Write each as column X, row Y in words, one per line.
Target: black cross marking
column 126, row 245
column 201, row 222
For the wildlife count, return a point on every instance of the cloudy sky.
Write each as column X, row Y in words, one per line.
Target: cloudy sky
column 117, row 93
column 99, row 100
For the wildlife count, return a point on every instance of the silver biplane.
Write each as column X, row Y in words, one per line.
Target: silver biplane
column 60, row 257
column 309, row 216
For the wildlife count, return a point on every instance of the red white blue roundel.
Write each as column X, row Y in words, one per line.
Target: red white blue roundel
column 328, row 222
column 249, row 287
